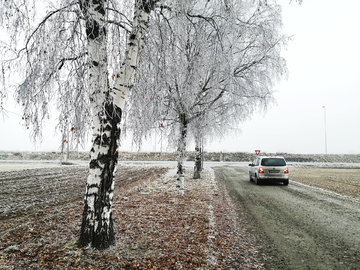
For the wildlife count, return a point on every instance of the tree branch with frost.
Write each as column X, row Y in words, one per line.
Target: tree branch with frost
column 63, row 60
column 194, row 63
column 46, row 18
column 119, row 24
column 67, row 55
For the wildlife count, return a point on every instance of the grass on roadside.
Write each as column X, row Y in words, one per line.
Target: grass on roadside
column 339, row 180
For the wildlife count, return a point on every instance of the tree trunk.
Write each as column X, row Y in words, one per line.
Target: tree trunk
column 97, row 225
column 107, row 105
column 125, row 78
column 197, row 167
column 181, row 155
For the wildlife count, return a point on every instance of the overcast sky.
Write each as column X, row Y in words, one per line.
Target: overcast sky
column 323, row 59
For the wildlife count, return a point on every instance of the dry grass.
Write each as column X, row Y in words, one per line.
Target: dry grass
column 339, row 180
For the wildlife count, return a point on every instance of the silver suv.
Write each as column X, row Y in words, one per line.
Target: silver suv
column 266, row 169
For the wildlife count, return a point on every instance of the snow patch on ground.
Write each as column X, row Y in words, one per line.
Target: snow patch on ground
column 171, row 173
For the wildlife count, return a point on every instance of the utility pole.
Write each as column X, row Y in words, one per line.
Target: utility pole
column 325, row 129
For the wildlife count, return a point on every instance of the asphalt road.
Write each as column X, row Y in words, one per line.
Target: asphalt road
column 298, row 227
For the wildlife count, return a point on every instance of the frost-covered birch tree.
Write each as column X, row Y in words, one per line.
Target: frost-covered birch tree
column 84, row 55
column 206, row 60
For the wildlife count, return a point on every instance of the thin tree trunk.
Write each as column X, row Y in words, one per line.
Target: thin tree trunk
column 63, row 138
column 197, row 167
column 125, row 78
column 180, row 180
column 67, row 150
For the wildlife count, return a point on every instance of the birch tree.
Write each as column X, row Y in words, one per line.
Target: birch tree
column 83, row 53
column 206, row 60
column 97, row 227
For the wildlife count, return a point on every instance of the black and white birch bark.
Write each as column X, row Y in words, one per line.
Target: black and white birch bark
column 180, row 180
column 97, row 228
column 125, row 78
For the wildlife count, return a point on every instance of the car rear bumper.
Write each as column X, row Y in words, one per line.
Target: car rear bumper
column 273, row 178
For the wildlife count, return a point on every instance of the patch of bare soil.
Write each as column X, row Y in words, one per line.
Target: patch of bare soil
column 345, row 181
column 40, row 218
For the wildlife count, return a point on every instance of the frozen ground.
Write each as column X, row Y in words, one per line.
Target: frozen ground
column 16, row 165
column 40, row 218
column 340, row 180
column 41, row 204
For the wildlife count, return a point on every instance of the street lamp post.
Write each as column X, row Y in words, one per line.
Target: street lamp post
column 325, row 129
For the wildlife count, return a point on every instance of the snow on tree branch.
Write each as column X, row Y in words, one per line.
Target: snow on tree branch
column 206, row 61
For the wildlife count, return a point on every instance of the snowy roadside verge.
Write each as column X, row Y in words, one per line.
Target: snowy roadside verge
column 154, row 227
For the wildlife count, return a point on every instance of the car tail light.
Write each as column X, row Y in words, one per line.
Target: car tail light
column 261, row 170
column 286, row 170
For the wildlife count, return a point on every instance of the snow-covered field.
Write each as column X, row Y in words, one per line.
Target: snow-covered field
column 16, row 165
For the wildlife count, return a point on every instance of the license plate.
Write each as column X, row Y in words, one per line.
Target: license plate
column 274, row 171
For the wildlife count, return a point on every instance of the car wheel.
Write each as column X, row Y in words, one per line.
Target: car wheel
column 257, row 181
column 250, row 178
column 286, row 182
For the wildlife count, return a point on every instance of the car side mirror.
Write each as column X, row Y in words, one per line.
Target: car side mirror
column 251, row 164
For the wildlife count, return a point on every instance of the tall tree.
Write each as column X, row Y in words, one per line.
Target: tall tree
column 69, row 53
column 97, row 226
column 206, row 60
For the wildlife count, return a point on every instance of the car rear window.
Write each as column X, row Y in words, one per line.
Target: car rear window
column 273, row 162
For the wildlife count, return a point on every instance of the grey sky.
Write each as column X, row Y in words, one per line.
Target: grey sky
column 324, row 64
